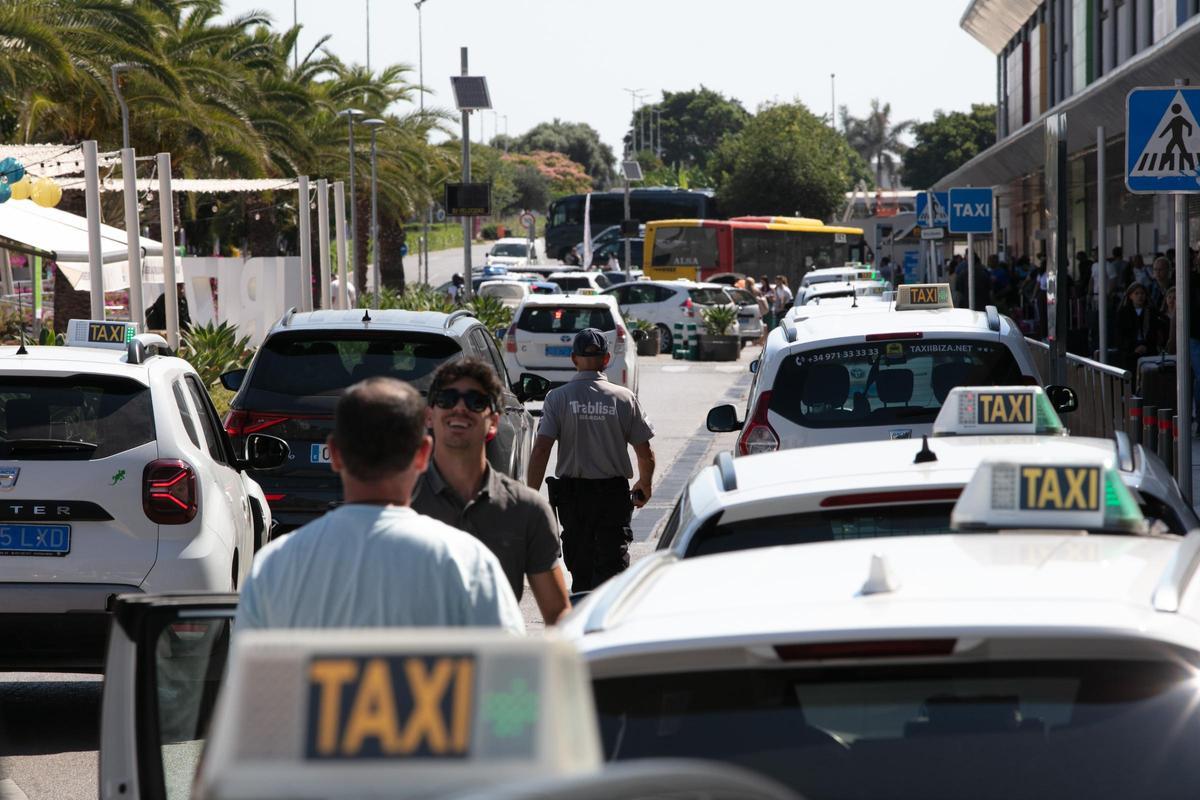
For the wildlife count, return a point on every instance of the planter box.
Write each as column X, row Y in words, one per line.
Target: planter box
column 719, row 348
column 651, row 345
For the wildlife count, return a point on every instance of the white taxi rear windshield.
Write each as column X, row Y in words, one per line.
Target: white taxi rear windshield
column 1095, row 729
column 565, row 319
column 885, row 382
column 73, row 417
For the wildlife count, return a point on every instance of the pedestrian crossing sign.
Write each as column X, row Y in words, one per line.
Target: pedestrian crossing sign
column 1162, row 140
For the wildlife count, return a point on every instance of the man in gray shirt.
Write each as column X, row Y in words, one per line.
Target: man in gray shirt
column 594, row 422
column 462, row 490
column 374, row 562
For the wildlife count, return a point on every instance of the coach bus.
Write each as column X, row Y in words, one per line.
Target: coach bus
column 754, row 246
column 564, row 223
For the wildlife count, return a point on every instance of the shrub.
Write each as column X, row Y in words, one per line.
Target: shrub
column 719, row 319
column 214, row 349
column 490, row 232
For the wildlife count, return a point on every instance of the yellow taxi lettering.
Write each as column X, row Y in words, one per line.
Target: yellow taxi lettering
column 426, row 719
column 106, row 333
column 374, row 712
column 1061, row 488
column 1031, row 476
column 331, row 675
column 1005, row 408
column 1076, row 498
column 1050, row 495
column 924, row 295
column 463, row 683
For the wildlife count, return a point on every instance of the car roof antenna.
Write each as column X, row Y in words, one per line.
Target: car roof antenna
column 925, row 455
column 366, row 315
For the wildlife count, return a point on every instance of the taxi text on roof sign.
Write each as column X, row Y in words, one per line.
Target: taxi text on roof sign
column 923, row 295
column 100, row 333
column 997, row 410
column 1059, row 488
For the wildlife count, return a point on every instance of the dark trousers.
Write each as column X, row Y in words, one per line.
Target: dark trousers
column 595, row 516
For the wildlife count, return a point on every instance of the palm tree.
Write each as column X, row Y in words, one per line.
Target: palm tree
column 876, row 139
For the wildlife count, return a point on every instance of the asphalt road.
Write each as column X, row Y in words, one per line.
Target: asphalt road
column 49, row 723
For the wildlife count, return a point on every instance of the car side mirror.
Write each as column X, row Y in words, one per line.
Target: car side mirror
column 1063, row 398
column 266, row 452
column 639, row 335
column 531, row 387
column 232, row 380
column 723, row 419
column 754, row 366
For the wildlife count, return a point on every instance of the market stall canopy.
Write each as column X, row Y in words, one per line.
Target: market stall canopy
column 62, row 237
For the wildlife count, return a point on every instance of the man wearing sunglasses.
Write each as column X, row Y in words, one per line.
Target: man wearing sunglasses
column 461, row 489
column 594, row 422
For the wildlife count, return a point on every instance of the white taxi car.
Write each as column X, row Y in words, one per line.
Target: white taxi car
column 417, row 713
column 115, row 476
column 849, row 292
column 849, row 272
column 511, row 252
column 1051, row 650
column 543, row 330
column 867, row 375
column 902, row 487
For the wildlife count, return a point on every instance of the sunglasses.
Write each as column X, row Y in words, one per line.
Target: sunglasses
column 475, row 401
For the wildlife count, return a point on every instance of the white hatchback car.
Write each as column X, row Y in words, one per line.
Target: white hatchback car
column 581, row 280
column 511, row 252
column 665, row 303
column 543, row 329
column 509, row 292
column 116, row 476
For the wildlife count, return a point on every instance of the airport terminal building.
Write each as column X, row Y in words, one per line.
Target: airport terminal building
column 1079, row 58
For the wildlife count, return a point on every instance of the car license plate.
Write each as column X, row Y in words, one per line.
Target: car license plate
column 35, row 540
column 320, row 454
column 558, row 351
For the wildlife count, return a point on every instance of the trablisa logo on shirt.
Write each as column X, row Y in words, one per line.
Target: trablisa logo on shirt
column 593, row 409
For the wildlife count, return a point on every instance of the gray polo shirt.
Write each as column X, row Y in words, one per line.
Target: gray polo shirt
column 594, row 421
column 515, row 522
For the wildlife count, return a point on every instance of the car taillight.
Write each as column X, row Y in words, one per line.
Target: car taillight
column 620, row 348
column 758, row 436
column 689, row 308
column 169, row 491
column 510, row 339
column 243, row 423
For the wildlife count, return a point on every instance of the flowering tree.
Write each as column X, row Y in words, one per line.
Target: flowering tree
column 563, row 175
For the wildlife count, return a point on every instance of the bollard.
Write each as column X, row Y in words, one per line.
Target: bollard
column 1133, row 426
column 1165, row 451
column 679, row 346
column 1149, row 427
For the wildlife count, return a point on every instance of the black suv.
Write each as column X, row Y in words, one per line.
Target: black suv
column 308, row 359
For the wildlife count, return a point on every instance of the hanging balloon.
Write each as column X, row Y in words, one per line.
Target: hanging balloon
column 20, row 189
column 11, row 170
column 5, row 192
column 46, row 193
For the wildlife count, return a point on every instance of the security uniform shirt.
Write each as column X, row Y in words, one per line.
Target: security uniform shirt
column 515, row 522
column 594, row 422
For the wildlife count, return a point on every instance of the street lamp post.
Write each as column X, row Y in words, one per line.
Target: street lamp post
column 374, row 125
column 117, row 69
column 352, row 114
column 423, row 253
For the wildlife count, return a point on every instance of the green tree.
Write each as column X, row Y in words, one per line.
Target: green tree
column 691, row 125
column 947, row 142
column 533, row 188
column 877, row 139
column 579, row 141
column 786, row 161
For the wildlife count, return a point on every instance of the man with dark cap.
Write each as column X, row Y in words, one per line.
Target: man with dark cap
column 594, row 422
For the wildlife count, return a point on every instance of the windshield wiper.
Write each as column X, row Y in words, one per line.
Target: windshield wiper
column 48, row 445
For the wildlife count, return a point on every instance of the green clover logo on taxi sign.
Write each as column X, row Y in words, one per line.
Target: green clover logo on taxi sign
column 510, row 713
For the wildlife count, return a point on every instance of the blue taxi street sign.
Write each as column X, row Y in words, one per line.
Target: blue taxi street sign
column 970, row 210
column 940, row 201
column 1162, row 140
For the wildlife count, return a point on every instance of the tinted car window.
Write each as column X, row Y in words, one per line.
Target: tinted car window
column 510, row 249
column 1073, row 730
column 298, row 371
column 684, row 246
column 881, row 383
column 185, row 412
column 565, row 319
column 742, row 297
column 573, row 284
column 709, row 297
column 60, row 418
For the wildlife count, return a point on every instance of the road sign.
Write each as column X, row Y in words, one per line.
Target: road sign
column 441, row 215
column 933, row 233
column 469, row 199
column 527, row 219
column 970, row 211
column 1162, row 141
column 940, row 201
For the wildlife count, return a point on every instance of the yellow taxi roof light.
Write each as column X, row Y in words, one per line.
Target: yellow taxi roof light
column 100, row 333
column 1043, row 494
column 987, row 410
column 923, row 296
column 396, row 713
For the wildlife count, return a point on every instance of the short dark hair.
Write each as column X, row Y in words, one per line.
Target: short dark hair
column 378, row 427
column 474, row 369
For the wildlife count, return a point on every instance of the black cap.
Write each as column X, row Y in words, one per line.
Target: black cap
column 590, row 342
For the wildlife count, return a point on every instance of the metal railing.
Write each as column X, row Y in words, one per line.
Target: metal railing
column 1103, row 391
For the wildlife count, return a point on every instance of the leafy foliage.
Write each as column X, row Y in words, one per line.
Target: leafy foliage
column 214, row 349
column 563, row 176
column 718, row 319
column 947, row 142
column 491, row 312
column 692, row 125
column 877, row 139
column 786, row 161
column 579, row 141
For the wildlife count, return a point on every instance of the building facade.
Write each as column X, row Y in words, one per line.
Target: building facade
column 1078, row 58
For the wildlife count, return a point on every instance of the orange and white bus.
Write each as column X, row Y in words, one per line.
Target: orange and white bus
column 756, row 246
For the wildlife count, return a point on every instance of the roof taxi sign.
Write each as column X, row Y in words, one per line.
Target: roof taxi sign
column 100, row 333
column 1043, row 494
column 401, row 713
column 975, row 411
column 913, row 296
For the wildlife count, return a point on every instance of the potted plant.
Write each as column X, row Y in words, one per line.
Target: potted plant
column 716, row 343
column 650, row 343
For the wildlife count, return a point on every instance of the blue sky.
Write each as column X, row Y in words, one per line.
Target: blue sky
column 572, row 59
